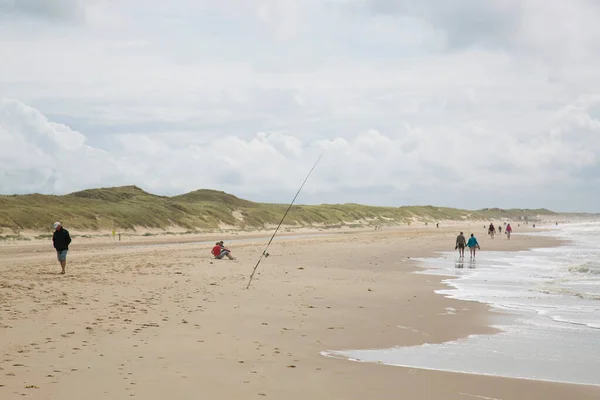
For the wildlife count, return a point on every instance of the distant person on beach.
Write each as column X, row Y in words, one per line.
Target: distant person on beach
column 220, row 251
column 508, row 231
column 473, row 245
column 61, row 240
column 461, row 242
column 500, row 229
column 491, row 230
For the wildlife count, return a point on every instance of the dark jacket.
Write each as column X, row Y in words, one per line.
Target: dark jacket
column 61, row 239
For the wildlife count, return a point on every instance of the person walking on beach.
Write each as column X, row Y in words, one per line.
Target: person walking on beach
column 500, row 229
column 473, row 245
column 508, row 231
column 220, row 251
column 61, row 240
column 461, row 242
column 491, row 230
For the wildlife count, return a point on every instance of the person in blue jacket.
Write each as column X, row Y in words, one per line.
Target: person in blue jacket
column 473, row 245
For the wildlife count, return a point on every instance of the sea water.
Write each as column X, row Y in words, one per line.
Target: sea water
column 554, row 295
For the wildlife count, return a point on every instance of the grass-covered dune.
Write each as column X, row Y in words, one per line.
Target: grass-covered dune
column 131, row 208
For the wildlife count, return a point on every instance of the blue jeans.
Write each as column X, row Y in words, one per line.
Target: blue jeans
column 223, row 254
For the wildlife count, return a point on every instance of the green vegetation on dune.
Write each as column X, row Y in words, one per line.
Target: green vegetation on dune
column 206, row 195
column 129, row 207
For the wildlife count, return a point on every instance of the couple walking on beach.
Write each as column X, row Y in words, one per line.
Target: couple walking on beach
column 472, row 244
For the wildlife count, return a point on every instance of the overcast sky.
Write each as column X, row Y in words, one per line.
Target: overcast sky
column 463, row 103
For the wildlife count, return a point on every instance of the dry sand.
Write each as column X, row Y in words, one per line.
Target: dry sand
column 168, row 322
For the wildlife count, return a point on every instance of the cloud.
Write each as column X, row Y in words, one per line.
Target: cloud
column 41, row 155
column 415, row 102
column 533, row 24
column 464, row 22
column 51, row 9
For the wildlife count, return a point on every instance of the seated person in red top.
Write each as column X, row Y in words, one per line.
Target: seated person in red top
column 220, row 251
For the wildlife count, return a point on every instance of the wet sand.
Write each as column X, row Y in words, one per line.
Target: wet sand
column 157, row 322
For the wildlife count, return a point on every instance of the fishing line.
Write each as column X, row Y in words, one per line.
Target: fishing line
column 264, row 253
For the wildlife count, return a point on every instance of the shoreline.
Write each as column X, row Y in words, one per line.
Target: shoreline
column 311, row 295
column 469, row 374
column 516, row 322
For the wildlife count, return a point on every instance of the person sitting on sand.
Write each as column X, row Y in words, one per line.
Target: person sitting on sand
column 220, row 251
column 508, row 231
column 473, row 245
column 461, row 241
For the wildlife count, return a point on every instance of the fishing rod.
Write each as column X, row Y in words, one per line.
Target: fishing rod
column 264, row 253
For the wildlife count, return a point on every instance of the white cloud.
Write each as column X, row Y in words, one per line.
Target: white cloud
column 414, row 101
column 39, row 155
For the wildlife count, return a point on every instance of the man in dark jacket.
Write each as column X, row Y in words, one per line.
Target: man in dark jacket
column 460, row 245
column 61, row 240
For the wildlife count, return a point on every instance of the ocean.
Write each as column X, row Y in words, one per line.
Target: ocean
column 546, row 302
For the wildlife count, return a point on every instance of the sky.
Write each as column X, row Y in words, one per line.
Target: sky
column 466, row 103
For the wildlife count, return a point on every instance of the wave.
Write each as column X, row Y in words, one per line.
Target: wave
column 588, row 267
column 593, row 325
column 564, row 291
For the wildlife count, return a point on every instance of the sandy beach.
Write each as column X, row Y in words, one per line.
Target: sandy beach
column 159, row 318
